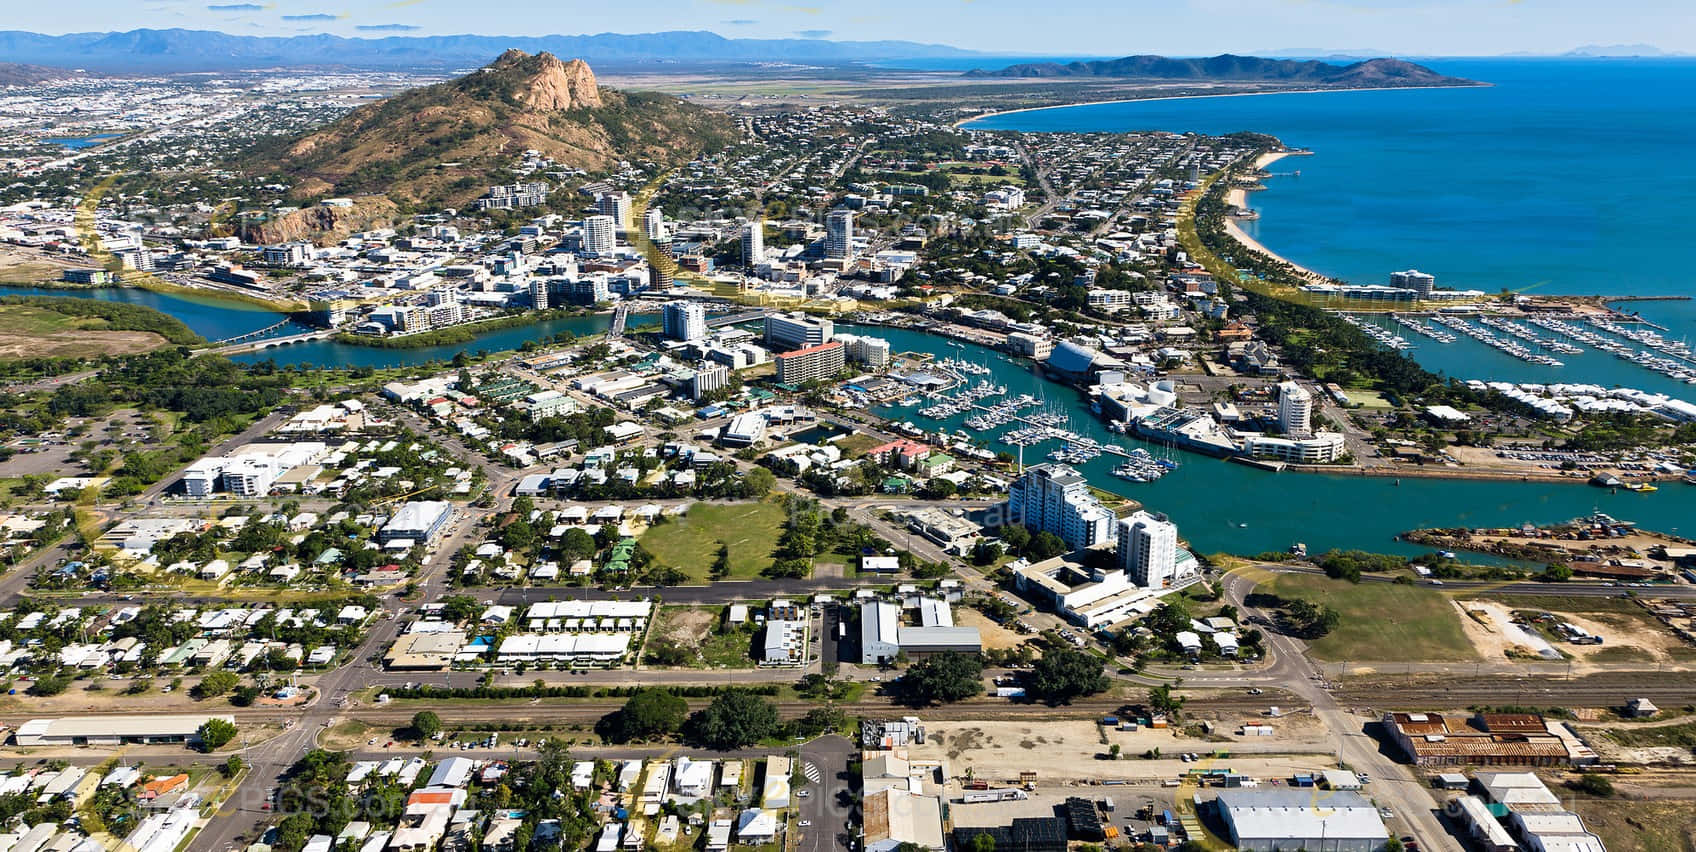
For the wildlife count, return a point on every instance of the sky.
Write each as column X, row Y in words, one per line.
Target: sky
column 1014, row 27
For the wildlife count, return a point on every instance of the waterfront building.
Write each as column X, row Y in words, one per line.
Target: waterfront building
column 1055, row 498
column 839, row 235
column 616, row 205
column 1295, row 410
column 754, row 243
column 1419, row 282
column 1318, row 448
column 600, row 235
column 811, row 363
column 1148, row 549
column 1029, row 345
column 797, row 331
column 873, row 352
column 686, row 321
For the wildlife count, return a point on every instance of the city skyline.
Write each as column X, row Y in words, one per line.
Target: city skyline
column 1086, row 28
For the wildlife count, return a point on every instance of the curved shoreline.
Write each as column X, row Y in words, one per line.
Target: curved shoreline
column 999, row 113
column 1238, row 197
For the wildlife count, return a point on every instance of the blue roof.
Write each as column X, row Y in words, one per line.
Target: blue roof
column 1069, row 357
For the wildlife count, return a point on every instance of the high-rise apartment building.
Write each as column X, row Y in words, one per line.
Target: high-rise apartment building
column 1056, row 498
column 1148, row 549
column 1295, row 410
column 684, row 321
column 839, row 235
column 600, row 234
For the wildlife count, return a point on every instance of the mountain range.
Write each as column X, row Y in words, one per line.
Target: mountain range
column 445, row 144
column 1368, row 73
column 177, row 50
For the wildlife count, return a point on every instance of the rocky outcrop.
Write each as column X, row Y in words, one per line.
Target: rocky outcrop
column 323, row 226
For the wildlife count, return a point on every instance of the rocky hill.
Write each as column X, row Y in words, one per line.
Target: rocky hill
column 329, row 225
column 446, row 144
column 1369, row 73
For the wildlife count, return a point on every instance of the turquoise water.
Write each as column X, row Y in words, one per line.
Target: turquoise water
column 1223, row 506
column 77, row 143
column 329, row 353
column 1564, row 176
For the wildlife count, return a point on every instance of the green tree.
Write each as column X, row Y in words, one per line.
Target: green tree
column 215, row 684
column 425, row 724
column 215, row 733
column 1063, row 674
column 735, row 719
column 759, row 482
column 944, row 678
column 1595, row 785
column 650, row 714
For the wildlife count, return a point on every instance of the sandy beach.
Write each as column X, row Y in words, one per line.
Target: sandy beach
column 1238, row 197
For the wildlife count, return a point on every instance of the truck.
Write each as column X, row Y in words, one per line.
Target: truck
column 1002, row 794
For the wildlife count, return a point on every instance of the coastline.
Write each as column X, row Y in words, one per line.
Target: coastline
column 1238, row 197
column 999, row 113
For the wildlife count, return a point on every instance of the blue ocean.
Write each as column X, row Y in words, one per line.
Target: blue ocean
column 1562, row 176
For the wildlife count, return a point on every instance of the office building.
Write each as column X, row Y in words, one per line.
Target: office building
column 810, row 364
column 686, row 321
column 785, row 332
column 1295, row 410
column 754, row 243
column 1148, row 549
column 615, row 205
column 1320, row 448
column 1055, row 498
column 1419, row 282
column 600, row 235
column 653, row 224
column 839, row 235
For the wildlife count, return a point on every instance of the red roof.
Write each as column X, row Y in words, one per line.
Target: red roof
column 811, row 349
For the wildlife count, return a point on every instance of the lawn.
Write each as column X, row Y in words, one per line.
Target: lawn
column 690, row 543
column 1628, row 826
column 1382, row 622
column 855, row 445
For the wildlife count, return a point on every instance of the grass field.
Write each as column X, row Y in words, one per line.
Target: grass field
column 690, row 543
column 28, row 331
column 1382, row 622
column 1631, row 826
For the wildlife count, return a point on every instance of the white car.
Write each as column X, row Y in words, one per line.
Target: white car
column 804, row 823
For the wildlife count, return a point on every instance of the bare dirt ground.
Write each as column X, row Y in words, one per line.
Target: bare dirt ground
column 1072, row 751
column 80, row 344
column 1485, row 624
column 994, row 635
column 687, row 627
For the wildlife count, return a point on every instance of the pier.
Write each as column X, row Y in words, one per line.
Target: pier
column 1064, row 435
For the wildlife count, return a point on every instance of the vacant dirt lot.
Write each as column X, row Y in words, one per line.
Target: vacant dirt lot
column 994, row 635
column 1071, row 751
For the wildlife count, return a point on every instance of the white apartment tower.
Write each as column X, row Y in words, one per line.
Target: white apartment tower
column 1148, row 549
column 684, row 321
column 786, row 332
column 1295, row 410
column 839, row 235
column 754, row 243
column 600, row 235
column 1419, row 282
column 616, row 205
column 1055, row 498
column 653, row 224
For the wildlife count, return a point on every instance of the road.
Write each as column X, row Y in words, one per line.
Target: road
column 1393, row 784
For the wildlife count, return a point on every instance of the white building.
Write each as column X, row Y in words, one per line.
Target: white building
column 1269, row 820
column 785, row 332
column 880, row 624
column 614, row 205
column 1318, row 448
column 1295, row 410
column 839, row 235
column 754, row 243
column 1148, row 549
column 600, row 235
column 1056, row 498
column 685, row 321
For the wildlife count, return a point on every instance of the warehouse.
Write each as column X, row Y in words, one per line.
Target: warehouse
column 1273, row 820
column 113, row 730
